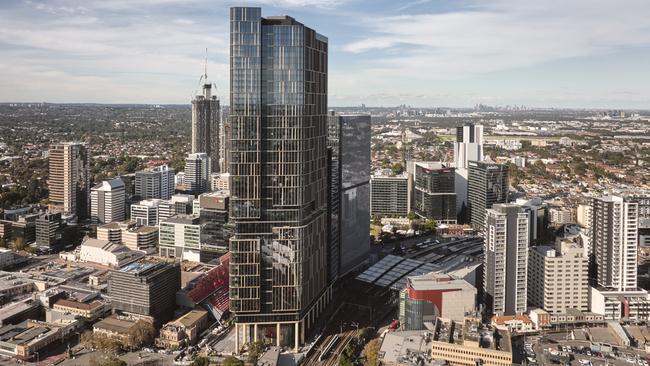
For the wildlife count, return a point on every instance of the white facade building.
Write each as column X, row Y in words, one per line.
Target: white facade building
column 468, row 147
column 107, row 201
column 506, row 259
column 107, row 253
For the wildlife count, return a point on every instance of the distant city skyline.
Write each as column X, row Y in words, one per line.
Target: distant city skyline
column 424, row 53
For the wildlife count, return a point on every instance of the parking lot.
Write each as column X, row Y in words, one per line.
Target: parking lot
column 570, row 350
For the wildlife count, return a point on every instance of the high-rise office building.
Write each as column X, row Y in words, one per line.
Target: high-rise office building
column 49, row 229
column 146, row 288
column 107, row 201
column 278, row 167
column 390, row 195
column 157, row 182
column 69, row 181
column 215, row 230
column 615, row 242
column 349, row 192
column 197, row 173
column 558, row 277
column 487, row 185
column 468, row 147
column 505, row 263
column 206, row 119
column 435, row 196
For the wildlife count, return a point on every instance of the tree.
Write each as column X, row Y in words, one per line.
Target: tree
column 201, row 361
column 371, row 352
column 142, row 333
column 411, row 216
column 397, row 168
column 255, row 350
column 232, row 361
column 430, row 226
column 18, row 245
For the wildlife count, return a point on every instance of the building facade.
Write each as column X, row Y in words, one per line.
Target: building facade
column 157, row 182
column 278, row 167
column 390, row 196
column 435, row 195
column 197, row 173
column 348, row 142
column 180, row 237
column 487, row 184
column 505, row 263
column 107, row 201
column 615, row 242
column 69, row 179
column 558, row 277
column 206, row 118
column 146, row 288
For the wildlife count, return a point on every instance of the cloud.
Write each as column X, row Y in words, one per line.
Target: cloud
column 503, row 35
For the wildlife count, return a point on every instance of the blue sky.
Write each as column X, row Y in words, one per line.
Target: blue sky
column 457, row 53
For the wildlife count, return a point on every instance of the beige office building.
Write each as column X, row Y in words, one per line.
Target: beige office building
column 558, row 277
column 69, row 179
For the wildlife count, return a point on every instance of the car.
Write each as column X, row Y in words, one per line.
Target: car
column 588, row 353
column 584, row 361
column 629, row 359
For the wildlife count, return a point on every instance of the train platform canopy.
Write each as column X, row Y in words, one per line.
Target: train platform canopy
column 392, row 271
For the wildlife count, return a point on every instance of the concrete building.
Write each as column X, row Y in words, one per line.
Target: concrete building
column 107, row 201
column 156, row 182
column 468, row 147
column 197, row 173
column 220, row 181
column 473, row 344
column 145, row 212
column 560, row 216
column 24, row 340
column 558, row 278
column 206, row 121
column 130, row 234
column 435, row 196
column 69, row 179
column 88, row 311
column 180, row 237
column 348, row 142
column 428, row 297
column 279, row 185
column 538, row 217
column 615, row 242
column 505, row 263
column 146, row 288
column 487, row 184
column 390, row 195
column 107, row 253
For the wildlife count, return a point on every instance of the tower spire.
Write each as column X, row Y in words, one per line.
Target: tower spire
column 205, row 68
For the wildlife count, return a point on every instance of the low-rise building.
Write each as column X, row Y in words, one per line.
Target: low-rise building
column 107, row 253
column 434, row 295
column 24, row 340
column 620, row 305
column 469, row 343
column 183, row 331
column 89, row 311
column 514, row 323
column 116, row 327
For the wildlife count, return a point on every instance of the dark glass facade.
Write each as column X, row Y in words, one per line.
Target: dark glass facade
column 487, row 184
column 435, row 196
column 278, row 167
column 349, row 140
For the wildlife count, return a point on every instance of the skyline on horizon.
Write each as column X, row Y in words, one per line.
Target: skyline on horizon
column 423, row 53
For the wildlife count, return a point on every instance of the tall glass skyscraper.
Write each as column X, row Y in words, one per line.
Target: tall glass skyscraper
column 278, row 167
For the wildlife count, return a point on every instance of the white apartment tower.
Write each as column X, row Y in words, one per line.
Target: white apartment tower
column 614, row 237
column 506, row 259
column 107, row 201
column 468, row 147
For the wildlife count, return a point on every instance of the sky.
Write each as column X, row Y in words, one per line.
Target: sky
column 423, row 53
